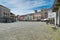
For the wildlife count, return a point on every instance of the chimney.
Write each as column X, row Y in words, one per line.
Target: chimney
column 35, row 11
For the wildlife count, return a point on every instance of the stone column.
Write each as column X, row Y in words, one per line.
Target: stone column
column 58, row 20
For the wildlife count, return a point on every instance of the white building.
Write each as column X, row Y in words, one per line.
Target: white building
column 52, row 16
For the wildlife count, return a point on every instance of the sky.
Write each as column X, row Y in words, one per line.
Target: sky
column 21, row 7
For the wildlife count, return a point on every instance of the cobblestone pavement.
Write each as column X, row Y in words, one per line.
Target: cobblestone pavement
column 27, row 31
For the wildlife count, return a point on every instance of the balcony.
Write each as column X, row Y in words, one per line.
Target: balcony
column 57, row 4
column 58, row 0
column 55, row 9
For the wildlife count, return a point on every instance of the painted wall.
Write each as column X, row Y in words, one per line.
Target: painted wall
column 4, row 13
column 58, row 17
column 37, row 16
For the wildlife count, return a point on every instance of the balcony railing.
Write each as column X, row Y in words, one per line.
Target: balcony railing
column 58, row 0
column 57, row 4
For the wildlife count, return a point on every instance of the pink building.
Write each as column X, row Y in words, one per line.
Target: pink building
column 21, row 18
column 37, row 15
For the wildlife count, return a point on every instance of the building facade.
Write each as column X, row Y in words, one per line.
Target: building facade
column 12, row 17
column 44, row 13
column 21, row 18
column 31, row 17
column 4, row 13
column 27, row 17
column 56, row 8
column 37, row 16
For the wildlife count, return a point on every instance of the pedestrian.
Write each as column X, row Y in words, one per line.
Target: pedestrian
column 47, row 21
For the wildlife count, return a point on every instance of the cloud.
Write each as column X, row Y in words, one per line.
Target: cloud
column 26, row 4
column 23, row 6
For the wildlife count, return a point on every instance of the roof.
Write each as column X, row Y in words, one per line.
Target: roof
column 4, row 6
column 27, row 14
column 56, row 5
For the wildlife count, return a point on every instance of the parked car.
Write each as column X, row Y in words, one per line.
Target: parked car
column 43, row 20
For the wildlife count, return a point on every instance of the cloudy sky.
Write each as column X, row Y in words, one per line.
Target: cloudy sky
column 26, row 6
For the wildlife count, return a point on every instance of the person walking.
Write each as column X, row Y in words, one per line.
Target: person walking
column 47, row 21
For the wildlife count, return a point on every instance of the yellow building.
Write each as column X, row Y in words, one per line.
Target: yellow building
column 4, row 13
column 12, row 17
column 44, row 13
